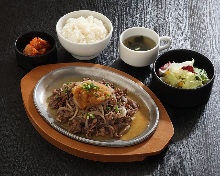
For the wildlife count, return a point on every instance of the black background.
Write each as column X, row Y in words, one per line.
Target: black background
column 192, row 24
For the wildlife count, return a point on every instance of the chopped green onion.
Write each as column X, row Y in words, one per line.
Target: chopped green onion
column 108, row 108
column 91, row 115
column 66, row 90
column 67, row 83
column 90, row 86
column 116, row 109
column 88, row 115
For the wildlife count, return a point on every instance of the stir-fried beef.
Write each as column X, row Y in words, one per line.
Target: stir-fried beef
column 112, row 117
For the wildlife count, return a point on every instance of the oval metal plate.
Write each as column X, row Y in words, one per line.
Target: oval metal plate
column 57, row 77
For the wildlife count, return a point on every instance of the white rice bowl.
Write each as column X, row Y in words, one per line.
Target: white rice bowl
column 84, row 30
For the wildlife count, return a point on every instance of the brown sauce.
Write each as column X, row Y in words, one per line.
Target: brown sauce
column 140, row 122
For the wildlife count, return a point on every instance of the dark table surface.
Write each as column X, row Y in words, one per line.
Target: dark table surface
column 192, row 24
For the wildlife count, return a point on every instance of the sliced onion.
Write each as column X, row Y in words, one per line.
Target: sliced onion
column 125, row 130
column 77, row 109
column 70, row 107
column 124, row 99
column 86, row 123
column 101, row 109
column 123, row 111
column 63, row 109
column 98, row 113
column 132, row 118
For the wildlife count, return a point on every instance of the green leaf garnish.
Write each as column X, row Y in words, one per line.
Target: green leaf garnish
column 107, row 96
column 201, row 75
column 108, row 108
column 91, row 115
column 116, row 109
column 67, row 83
column 66, row 90
column 88, row 115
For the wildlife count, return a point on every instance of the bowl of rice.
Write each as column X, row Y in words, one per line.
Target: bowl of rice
column 84, row 33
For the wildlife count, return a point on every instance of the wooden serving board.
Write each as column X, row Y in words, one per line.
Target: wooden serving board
column 152, row 146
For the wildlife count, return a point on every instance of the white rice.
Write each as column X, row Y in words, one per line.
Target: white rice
column 84, row 30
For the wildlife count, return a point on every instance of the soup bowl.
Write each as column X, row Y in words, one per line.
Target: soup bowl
column 141, row 58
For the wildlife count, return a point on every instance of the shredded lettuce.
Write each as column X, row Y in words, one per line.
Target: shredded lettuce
column 175, row 75
column 201, row 75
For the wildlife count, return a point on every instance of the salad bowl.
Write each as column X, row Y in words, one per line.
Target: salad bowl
column 181, row 97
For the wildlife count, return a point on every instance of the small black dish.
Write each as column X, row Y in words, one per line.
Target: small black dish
column 29, row 62
column 183, row 97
